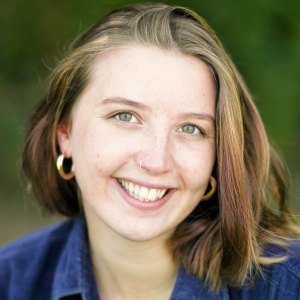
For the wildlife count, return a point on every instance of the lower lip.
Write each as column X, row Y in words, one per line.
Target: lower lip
column 154, row 205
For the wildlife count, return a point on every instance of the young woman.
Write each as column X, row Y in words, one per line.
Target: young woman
column 148, row 140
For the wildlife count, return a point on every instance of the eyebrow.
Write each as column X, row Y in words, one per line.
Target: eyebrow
column 124, row 101
column 201, row 116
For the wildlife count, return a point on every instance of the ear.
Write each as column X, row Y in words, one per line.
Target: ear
column 63, row 138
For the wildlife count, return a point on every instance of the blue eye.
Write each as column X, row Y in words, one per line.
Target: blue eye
column 190, row 129
column 126, row 117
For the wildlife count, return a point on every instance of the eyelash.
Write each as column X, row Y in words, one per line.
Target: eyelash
column 201, row 131
column 117, row 116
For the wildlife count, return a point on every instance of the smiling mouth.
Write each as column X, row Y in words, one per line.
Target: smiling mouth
column 142, row 193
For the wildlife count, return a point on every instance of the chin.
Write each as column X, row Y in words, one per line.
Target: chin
column 142, row 235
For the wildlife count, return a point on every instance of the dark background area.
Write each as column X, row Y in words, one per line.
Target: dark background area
column 262, row 36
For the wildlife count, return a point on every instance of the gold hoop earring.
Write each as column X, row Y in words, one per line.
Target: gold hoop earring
column 60, row 168
column 213, row 184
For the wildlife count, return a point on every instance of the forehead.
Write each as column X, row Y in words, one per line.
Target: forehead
column 148, row 73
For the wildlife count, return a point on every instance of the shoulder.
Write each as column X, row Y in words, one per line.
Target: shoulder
column 276, row 281
column 32, row 259
column 292, row 262
column 36, row 242
column 284, row 277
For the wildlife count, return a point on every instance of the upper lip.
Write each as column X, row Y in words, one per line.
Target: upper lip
column 148, row 184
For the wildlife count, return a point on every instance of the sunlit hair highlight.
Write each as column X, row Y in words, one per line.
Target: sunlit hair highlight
column 222, row 240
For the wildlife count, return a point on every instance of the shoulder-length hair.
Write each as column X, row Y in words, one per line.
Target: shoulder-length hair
column 221, row 241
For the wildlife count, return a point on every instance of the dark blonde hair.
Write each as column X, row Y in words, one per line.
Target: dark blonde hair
column 223, row 238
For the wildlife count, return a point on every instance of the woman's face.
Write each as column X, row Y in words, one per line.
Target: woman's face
column 143, row 105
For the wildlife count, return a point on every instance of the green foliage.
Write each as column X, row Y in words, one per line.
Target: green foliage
column 263, row 37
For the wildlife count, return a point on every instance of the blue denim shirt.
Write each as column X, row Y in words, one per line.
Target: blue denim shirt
column 54, row 263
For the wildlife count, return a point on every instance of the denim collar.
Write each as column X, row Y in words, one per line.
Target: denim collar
column 190, row 287
column 74, row 277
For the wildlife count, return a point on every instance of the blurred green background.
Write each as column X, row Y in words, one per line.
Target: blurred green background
column 262, row 36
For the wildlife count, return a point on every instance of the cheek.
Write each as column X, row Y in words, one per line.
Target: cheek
column 197, row 165
column 99, row 149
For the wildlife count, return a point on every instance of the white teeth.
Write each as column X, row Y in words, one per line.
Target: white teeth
column 131, row 188
column 141, row 193
column 161, row 193
column 152, row 195
column 136, row 191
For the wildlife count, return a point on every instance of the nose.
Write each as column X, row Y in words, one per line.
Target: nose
column 157, row 155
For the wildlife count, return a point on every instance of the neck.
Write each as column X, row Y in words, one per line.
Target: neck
column 127, row 269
